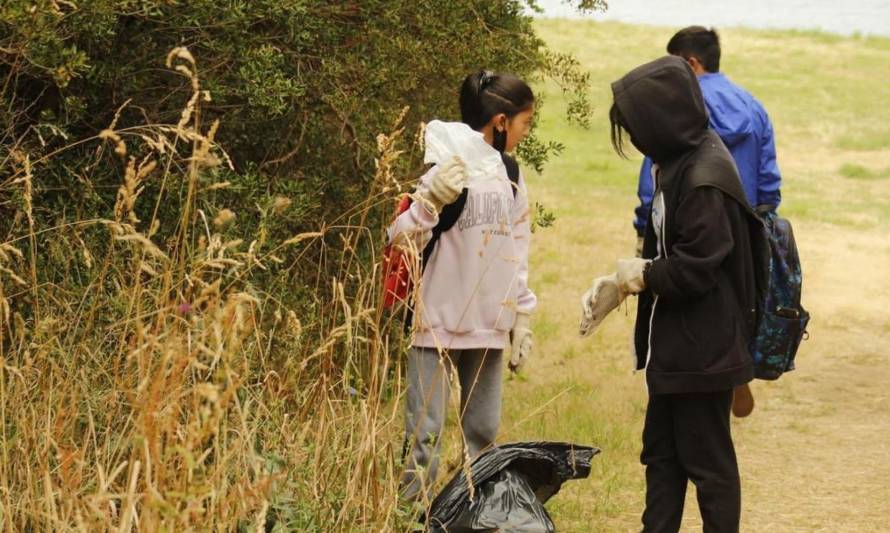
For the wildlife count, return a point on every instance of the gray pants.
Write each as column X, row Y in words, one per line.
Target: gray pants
column 479, row 373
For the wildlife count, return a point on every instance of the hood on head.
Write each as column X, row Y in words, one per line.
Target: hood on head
column 662, row 106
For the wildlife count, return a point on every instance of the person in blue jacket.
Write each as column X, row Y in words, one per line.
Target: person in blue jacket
column 737, row 117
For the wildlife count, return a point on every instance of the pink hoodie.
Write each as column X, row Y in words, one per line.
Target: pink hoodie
column 477, row 276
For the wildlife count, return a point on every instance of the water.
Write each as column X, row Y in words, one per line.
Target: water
column 845, row 17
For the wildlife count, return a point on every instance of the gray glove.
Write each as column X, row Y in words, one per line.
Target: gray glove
column 602, row 298
column 445, row 185
column 763, row 209
column 521, row 349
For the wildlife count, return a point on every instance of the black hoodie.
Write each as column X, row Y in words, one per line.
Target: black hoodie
column 697, row 315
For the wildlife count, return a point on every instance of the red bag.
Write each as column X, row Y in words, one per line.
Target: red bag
column 396, row 274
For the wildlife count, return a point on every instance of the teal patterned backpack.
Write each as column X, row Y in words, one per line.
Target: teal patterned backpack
column 782, row 320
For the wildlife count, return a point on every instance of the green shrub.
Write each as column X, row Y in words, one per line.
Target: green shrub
column 302, row 88
column 192, row 196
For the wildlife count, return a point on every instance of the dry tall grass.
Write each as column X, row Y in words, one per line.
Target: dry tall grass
column 205, row 404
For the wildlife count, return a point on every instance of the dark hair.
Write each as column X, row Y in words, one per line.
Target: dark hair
column 698, row 42
column 619, row 130
column 485, row 94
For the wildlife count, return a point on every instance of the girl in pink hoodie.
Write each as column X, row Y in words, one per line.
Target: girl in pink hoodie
column 474, row 298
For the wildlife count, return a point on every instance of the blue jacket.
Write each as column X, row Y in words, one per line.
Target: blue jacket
column 742, row 123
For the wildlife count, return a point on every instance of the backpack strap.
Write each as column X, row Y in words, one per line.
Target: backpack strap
column 512, row 171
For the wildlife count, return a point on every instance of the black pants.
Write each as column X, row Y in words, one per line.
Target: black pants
column 687, row 437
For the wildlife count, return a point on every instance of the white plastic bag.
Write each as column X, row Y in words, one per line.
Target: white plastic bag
column 446, row 139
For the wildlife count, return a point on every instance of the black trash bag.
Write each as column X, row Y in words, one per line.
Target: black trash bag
column 512, row 483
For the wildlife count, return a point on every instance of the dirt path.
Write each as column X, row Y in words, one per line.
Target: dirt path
column 815, row 455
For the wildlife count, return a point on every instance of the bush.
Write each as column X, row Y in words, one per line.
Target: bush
column 189, row 329
column 303, row 86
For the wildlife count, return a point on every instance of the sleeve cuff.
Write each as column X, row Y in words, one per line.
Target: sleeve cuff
column 425, row 216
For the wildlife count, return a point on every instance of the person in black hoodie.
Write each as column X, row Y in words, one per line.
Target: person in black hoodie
column 697, row 295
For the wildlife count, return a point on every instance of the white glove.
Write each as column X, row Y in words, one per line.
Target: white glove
column 602, row 298
column 630, row 275
column 445, row 185
column 521, row 349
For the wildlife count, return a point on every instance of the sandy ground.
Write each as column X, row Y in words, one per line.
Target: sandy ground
column 814, row 455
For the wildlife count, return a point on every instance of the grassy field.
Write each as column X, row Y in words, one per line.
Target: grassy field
column 813, row 454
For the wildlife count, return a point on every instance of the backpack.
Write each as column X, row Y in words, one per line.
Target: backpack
column 396, row 272
column 781, row 319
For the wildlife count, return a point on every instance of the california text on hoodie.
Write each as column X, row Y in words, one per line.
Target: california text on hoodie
column 476, row 278
column 696, row 316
